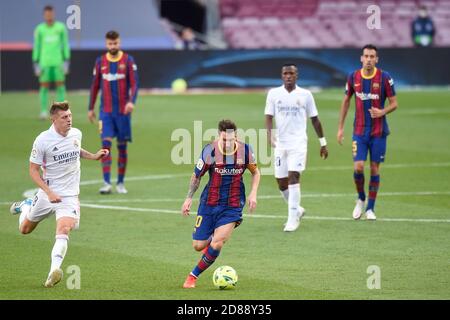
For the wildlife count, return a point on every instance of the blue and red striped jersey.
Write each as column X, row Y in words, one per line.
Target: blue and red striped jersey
column 369, row 92
column 225, row 186
column 118, row 80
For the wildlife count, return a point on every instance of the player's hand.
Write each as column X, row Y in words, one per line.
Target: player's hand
column 53, row 197
column 129, row 108
column 376, row 113
column 186, row 206
column 91, row 116
column 101, row 154
column 251, row 202
column 66, row 66
column 340, row 136
column 37, row 69
column 324, row 152
column 273, row 141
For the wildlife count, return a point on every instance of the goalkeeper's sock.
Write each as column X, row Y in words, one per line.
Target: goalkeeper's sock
column 359, row 183
column 122, row 161
column 60, row 92
column 373, row 190
column 43, row 97
column 206, row 261
column 106, row 162
column 59, row 251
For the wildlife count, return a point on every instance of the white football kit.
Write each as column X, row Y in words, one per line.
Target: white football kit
column 291, row 111
column 59, row 158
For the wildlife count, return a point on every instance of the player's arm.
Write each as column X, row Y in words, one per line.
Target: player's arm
column 133, row 80
column 36, row 52
column 66, row 49
column 193, row 186
column 256, row 177
column 378, row 113
column 319, row 131
column 345, row 104
column 35, row 175
column 94, row 156
column 269, row 127
column 95, row 87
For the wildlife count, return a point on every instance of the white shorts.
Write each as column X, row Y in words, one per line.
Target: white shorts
column 289, row 160
column 42, row 208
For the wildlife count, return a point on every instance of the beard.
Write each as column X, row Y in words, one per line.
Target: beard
column 113, row 52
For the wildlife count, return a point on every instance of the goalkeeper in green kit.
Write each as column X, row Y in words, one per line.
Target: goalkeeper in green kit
column 51, row 54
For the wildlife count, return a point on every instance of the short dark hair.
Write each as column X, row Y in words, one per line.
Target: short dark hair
column 289, row 64
column 48, row 8
column 226, row 124
column 112, row 35
column 59, row 106
column 370, row 47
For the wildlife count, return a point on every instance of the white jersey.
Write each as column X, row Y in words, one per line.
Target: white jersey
column 59, row 158
column 291, row 111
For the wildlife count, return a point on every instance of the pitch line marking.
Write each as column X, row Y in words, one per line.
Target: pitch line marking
column 263, row 216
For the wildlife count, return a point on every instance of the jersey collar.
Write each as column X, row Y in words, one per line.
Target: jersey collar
column 114, row 59
column 371, row 76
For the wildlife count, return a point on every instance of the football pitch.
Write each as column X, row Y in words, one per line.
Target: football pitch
column 138, row 246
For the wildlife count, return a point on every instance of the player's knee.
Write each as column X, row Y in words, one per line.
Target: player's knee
column 218, row 244
column 24, row 229
column 65, row 229
column 198, row 246
column 359, row 167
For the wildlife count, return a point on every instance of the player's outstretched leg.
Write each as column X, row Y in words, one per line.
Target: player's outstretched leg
column 22, row 208
column 121, row 166
column 106, row 168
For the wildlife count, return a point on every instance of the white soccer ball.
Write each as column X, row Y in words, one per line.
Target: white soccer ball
column 225, row 277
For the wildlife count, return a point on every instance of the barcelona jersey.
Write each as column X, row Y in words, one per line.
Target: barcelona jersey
column 370, row 91
column 225, row 186
column 117, row 78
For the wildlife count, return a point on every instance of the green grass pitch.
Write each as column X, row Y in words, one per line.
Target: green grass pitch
column 138, row 246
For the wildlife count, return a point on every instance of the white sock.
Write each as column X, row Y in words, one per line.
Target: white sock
column 294, row 200
column 59, row 251
column 25, row 209
column 285, row 194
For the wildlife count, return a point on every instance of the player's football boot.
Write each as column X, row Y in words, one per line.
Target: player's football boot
column 106, row 189
column 53, row 278
column 370, row 215
column 190, row 282
column 120, row 188
column 359, row 209
column 300, row 214
column 16, row 207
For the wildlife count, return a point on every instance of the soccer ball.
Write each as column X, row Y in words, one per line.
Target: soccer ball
column 225, row 277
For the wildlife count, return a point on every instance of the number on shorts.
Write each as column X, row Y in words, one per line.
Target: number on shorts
column 354, row 148
column 100, row 126
column 278, row 161
column 198, row 221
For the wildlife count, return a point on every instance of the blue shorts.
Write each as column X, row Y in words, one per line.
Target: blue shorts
column 115, row 126
column 211, row 217
column 363, row 144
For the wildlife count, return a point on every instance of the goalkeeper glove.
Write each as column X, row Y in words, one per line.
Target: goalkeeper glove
column 37, row 69
column 66, row 66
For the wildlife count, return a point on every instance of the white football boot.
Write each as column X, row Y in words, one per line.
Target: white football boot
column 53, row 278
column 293, row 225
column 359, row 209
column 106, row 189
column 370, row 215
column 16, row 207
column 120, row 188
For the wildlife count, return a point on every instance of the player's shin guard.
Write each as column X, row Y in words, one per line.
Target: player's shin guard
column 359, row 183
column 122, row 160
column 60, row 92
column 43, row 97
column 207, row 260
column 373, row 190
column 59, row 251
column 106, row 162
column 294, row 200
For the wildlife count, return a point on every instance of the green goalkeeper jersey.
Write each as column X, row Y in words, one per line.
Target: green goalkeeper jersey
column 51, row 44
